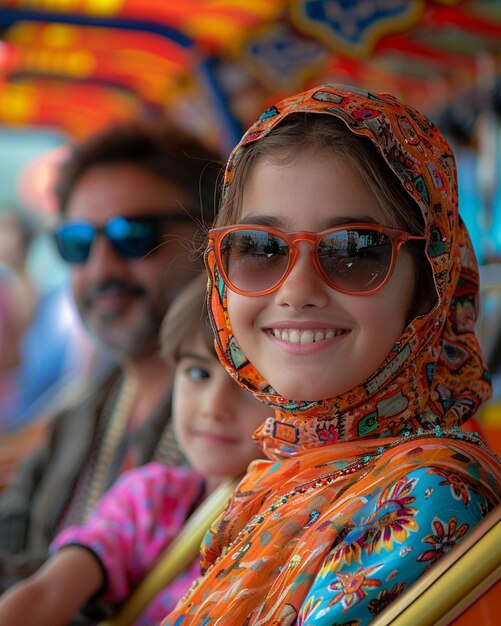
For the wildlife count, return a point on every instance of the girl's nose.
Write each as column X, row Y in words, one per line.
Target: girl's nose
column 303, row 287
column 219, row 397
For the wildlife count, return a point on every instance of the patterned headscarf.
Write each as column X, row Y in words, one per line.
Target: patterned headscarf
column 434, row 376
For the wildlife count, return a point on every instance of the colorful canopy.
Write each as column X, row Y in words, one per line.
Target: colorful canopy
column 213, row 64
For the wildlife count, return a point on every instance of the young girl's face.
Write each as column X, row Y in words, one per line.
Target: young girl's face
column 317, row 191
column 214, row 418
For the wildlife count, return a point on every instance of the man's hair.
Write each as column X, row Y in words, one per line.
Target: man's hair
column 156, row 147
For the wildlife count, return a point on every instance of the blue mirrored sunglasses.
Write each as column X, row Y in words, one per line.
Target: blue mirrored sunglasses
column 131, row 237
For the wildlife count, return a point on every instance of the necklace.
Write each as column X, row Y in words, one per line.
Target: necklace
column 113, row 438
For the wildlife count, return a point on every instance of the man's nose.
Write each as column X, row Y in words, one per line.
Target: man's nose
column 103, row 257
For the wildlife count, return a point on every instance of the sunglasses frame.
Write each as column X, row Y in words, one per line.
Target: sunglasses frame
column 397, row 238
column 101, row 230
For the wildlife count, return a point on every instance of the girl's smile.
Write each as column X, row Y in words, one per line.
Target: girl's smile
column 309, row 341
column 305, row 337
column 218, row 439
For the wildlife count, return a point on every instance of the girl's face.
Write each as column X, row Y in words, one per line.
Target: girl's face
column 317, row 191
column 214, row 418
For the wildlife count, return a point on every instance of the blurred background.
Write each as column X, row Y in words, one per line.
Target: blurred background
column 70, row 67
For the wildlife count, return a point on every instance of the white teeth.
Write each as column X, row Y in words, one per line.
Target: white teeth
column 304, row 336
column 294, row 336
column 307, row 336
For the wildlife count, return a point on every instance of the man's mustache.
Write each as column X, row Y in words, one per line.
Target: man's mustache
column 112, row 288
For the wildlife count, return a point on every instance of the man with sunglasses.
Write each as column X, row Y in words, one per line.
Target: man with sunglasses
column 130, row 201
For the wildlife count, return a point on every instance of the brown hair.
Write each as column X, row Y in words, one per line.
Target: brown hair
column 324, row 132
column 156, row 147
column 302, row 131
column 186, row 315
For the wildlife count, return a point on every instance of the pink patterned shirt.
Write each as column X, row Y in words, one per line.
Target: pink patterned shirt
column 132, row 524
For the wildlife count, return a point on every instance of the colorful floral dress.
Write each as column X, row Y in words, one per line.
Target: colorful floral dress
column 132, row 525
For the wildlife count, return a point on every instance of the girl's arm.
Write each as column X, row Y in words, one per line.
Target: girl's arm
column 133, row 522
column 54, row 593
column 396, row 538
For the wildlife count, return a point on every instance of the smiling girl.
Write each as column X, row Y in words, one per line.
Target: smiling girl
column 343, row 292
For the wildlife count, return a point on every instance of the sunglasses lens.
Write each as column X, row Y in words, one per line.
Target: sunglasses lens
column 133, row 238
column 355, row 259
column 74, row 241
column 254, row 260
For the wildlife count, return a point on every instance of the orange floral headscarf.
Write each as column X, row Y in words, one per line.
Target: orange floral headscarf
column 435, row 375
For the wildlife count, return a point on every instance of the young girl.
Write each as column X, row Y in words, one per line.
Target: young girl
column 343, row 292
column 107, row 557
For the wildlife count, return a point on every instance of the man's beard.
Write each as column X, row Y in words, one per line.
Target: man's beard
column 131, row 333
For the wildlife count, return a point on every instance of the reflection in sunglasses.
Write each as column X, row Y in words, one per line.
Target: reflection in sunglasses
column 355, row 259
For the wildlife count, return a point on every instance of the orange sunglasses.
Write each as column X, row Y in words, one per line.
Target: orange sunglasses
column 356, row 259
